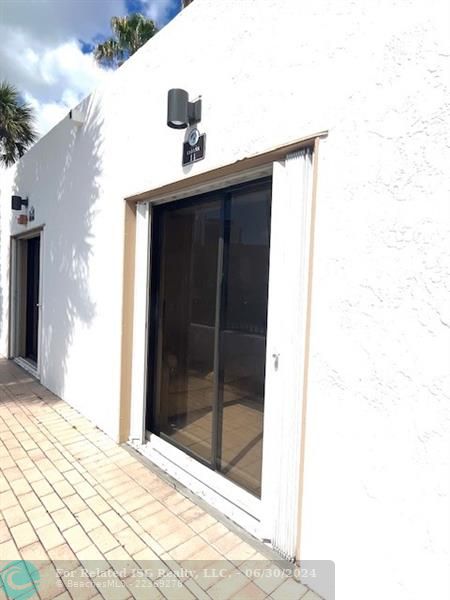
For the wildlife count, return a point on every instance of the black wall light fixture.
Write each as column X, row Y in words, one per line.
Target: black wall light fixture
column 17, row 202
column 180, row 112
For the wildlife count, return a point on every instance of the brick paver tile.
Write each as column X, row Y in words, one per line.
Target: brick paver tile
column 97, row 504
column 6, row 462
column 111, row 588
column 29, row 501
column 310, row 595
column 241, row 553
column 85, row 490
column 64, row 596
column 189, row 549
column 63, row 489
column 25, row 463
column 52, row 502
column 179, row 504
column 121, row 561
column 149, row 508
column 214, row 573
column 73, row 476
column 155, row 520
column 92, row 559
column 179, row 536
column 50, row 536
column 62, row 465
column 113, row 521
column 229, row 586
column 39, row 517
column 289, row 589
column 77, row 538
column 17, row 453
column 41, row 487
column 75, row 503
column 63, row 557
column 227, row 542
column 214, row 532
column 23, row 535
column 14, row 515
column 79, row 586
column 64, row 518
column 142, row 588
column 206, row 556
column 53, row 475
column 250, row 592
column 35, row 553
column 103, row 539
column 164, row 525
column 33, row 475
column 12, row 474
column 173, row 588
column 133, row 498
column 7, row 499
column 88, row 520
column 192, row 513
column 202, row 523
column 4, row 485
column 20, row 486
column 130, row 541
column 193, row 587
column 4, row 532
column 8, row 552
column 144, row 556
column 50, row 584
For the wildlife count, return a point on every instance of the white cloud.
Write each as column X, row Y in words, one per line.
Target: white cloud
column 41, row 49
column 52, row 78
column 56, row 21
column 159, row 10
column 41, row 53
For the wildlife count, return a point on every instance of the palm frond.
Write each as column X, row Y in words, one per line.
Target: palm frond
column 17, row 132
column 129, row 34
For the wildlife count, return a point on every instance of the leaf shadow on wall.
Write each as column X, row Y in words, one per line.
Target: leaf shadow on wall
column 67, row 165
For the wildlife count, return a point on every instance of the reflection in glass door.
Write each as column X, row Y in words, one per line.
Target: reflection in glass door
column 210, row 266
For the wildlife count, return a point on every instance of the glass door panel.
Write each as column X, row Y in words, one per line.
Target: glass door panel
column 210, row 268
column 243, row 337
column 188, row 280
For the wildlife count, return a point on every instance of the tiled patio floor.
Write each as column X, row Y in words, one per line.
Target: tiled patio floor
column 74, row 504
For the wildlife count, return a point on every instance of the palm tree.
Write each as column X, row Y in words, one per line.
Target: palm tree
column 129, row 34
column 17, row 131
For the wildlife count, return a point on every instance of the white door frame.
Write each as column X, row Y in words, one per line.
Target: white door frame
column 15, row 322
column 271, row 518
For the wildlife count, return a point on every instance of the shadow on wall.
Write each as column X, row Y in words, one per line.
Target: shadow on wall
column 62, row 174
column 3, row 321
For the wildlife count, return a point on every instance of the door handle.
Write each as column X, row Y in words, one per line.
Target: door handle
column 276, row 358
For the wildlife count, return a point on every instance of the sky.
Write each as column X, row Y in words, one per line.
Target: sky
column 46, row 48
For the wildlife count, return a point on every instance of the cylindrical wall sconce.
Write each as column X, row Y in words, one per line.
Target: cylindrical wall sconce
column 180, row 112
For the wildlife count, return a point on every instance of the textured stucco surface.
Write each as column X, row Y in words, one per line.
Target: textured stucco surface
column 376, row 76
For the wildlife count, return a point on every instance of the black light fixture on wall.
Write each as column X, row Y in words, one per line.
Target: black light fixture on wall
column 180, row 112
column 17, row 202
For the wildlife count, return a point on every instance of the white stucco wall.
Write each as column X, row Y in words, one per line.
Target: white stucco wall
column 375, row 75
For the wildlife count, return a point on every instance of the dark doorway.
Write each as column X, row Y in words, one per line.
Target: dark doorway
column 32, row 298
column 208, row 314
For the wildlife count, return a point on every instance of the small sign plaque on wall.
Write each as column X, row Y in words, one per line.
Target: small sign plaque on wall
column 194, row 147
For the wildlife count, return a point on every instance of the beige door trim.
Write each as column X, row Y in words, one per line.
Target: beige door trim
column 183, row 185
column 244, row 164
column 127, row 320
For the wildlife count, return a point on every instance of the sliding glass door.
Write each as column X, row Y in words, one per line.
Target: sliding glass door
column 208, row 313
